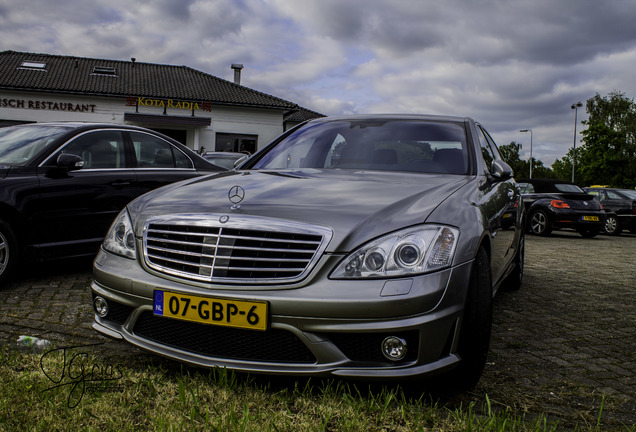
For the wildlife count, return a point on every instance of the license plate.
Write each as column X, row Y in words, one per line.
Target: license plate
column 222, row 312
column 590, row 218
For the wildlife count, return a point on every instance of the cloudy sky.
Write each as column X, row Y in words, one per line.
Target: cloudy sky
column 511, row 64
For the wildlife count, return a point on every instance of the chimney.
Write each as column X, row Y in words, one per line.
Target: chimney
column 237, row 72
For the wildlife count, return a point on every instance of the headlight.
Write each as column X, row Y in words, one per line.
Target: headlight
column 120, row 239
column 403, row 253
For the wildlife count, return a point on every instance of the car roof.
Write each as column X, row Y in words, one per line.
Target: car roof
column 422, row 117
column 76, row 124
column 543, row 185
column 228, row 154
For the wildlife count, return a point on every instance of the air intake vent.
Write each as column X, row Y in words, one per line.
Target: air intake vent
column 240, row 250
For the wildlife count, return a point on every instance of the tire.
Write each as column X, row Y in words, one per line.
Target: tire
column 8, row 252
column 474, row 338
column 612, row 226
column 515, row 278
column 540, row 223
column 589, row 232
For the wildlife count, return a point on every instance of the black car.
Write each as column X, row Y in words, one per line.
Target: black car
column 619, row 206
column 62, row 184
column 554, row 204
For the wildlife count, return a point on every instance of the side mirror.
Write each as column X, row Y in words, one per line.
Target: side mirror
column 70, row 161
column 500, row 170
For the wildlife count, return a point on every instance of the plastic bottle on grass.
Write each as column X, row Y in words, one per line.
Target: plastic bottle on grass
column 33, row 343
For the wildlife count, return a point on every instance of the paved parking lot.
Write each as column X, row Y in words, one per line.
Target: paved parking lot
column 562, row 345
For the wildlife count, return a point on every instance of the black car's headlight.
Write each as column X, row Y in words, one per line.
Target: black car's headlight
column 406, row 252
column 120, row 239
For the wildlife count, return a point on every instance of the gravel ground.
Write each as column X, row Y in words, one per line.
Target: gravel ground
column 562, row 345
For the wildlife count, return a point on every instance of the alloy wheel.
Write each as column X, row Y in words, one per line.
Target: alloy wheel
column 4, row 253
column 539, row 223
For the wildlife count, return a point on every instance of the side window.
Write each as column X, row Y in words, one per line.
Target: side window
column 100, row 149
column 613, row 195
column 486, row 150
column 153, row 152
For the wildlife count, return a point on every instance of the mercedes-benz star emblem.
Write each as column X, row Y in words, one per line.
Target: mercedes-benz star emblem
column 236, row 195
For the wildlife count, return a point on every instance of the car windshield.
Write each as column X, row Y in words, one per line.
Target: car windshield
column 20, row 144
column 563, row 187
column 372, row 144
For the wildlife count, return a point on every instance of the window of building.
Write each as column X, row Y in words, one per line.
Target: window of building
column 236, row 143
column 33, row 65
column 104, row 70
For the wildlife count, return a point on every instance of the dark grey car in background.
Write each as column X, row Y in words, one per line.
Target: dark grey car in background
column 363, row 246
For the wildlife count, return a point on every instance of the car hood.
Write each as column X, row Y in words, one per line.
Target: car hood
column 356, row 205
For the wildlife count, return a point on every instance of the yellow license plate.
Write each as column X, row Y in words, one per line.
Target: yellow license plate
column 590, row 218
column 222, row 312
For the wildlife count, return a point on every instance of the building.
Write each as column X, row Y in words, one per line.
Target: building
column 198, row 109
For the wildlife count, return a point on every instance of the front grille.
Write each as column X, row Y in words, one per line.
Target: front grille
column 238, row 250
column 277, row 346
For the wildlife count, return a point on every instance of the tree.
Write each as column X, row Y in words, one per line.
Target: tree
column 608, row 155
column 521, row 168
column 562, row 168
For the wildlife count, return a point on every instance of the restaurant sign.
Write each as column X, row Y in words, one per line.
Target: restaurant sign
column 46, row 105
column 168, row 103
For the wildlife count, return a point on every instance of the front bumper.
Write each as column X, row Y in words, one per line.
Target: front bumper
column 316, row 327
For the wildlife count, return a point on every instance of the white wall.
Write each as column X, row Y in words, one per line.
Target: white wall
column 267, row 124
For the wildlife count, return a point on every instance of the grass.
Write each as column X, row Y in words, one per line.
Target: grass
column 78, row 389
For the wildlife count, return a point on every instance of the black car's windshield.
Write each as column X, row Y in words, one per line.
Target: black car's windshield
column 20, row 144
column 380, row 144
column 562, row 187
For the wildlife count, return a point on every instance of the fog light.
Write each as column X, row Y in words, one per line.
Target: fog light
column 394, row 348
column 101, row 306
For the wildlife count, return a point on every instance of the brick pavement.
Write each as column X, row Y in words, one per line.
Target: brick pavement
column 562, row 345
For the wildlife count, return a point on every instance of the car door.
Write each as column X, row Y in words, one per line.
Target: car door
column 613, row 202
column 500, row 201
column 158, row 162
column 76, row 208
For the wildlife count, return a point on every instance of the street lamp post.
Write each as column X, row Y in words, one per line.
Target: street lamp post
column 575, row 107
column 529, row 130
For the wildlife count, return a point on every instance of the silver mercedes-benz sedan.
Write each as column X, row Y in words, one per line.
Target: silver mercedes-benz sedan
column 360, row 246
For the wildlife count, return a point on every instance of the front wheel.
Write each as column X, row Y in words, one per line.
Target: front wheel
column 8, row 252
column 474, row 338
column 540, row 223
column 612, row 227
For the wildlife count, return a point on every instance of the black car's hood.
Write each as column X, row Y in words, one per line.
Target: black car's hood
column 345, row 201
